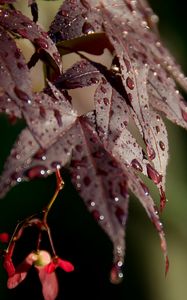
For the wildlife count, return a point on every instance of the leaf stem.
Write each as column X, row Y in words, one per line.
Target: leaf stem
column 60, row 185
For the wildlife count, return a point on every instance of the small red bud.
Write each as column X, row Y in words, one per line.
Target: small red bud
column 4, row 237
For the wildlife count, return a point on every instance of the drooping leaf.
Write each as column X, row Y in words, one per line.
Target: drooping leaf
column 15, row 82
column 74, row 19
column 101, row 149
column 15, row 22
column 134, row 74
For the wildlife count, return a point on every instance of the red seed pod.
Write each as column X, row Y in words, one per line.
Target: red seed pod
column 8, row 265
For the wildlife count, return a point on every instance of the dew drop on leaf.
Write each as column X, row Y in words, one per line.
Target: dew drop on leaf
column 145, row 189
column 153, row 174
column 136, row 165
column 41, row 43
column 162, row 145
column 130, row 83
column 87, row 28
column 151, row 152
column 36, row 172
column 22, row 95
column 116, row 274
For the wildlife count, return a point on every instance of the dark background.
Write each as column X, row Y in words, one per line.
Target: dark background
column 79, row 239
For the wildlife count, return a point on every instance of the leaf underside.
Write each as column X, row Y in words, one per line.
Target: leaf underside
column 104, row 155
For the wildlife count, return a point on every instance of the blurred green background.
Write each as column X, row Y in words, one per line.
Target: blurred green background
column 79, row 239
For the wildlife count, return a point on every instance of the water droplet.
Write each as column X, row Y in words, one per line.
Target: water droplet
column 87, row 28
column 56, row 165
column 40, row 154
column 130, row 83
column 64, row 13
column 42, row 43
column 94, row 80
column 96, row 215
column 57, row 57
column 58, row 117
column 158, row 118
column 22, row 95
column 36, row 172
column 103, row 90
column 136, row 165
column 145, row 189
column 162, row 145
column 116, row 274
column 16, row 176
column 153, row 174
column 157, row 129
column 121, row 215
column 162, row 199
column 150, row 152
column 106, row 101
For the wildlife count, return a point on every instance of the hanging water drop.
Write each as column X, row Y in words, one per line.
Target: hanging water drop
column 36, row 172
column 116, row 274
column 153, row 174
column 130, row 83
column 87, row 28
column 136, row 165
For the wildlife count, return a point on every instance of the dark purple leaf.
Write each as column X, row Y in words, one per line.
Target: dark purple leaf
column 15, row 79
column 48, row 118
column 86, row 44
column 134, row 69
column 81, row 74
column 74, row 19
column 105, row 179
column 14, row 21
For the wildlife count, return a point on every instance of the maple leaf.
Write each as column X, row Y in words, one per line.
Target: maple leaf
column 15, row 82
column 104, row 190
column 100, row 149
column 15, row 22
